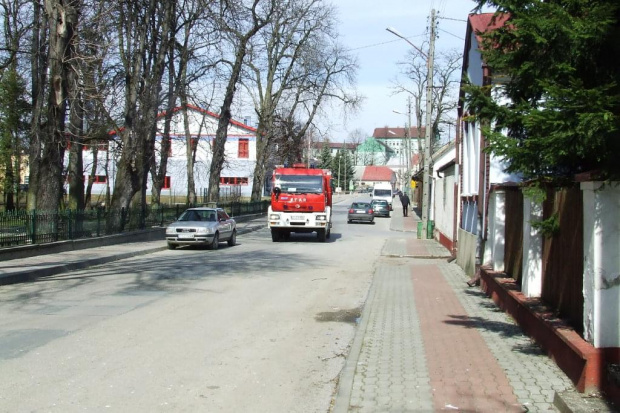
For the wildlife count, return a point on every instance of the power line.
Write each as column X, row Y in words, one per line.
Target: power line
column 451, row 34
column 450, row 18
column 381, row 44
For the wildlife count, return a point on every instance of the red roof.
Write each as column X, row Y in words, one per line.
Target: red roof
column 197, row 109
column 212, row 114
column 387, row 132
column 377, row 173
column 481, row 23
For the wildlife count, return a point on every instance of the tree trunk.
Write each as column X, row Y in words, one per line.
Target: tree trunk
column 38, row 64
column 63, row 19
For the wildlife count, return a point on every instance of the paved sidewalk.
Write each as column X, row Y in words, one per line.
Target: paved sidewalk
column 31, row 268
column 427, row 342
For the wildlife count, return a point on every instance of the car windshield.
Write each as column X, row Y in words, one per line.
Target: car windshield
column 359, row 205
column 300, row 184
column 382, row 202
column 198, row 215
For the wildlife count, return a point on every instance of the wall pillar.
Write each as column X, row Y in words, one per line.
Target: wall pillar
column 531, row 285
column 496, row 237
column 601, row 274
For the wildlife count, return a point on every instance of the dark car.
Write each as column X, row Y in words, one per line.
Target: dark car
column 380, row 207
column 361, row 211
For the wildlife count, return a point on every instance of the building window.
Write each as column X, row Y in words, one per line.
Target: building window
column 99, row 179
column 100, row 146
column 233, row 180
column 166, row 184
column 244, row 148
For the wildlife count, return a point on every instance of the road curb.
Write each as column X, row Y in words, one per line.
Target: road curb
column 34, row 275
column 345, row 381
column 31, row 275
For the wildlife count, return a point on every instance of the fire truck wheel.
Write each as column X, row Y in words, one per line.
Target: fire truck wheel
column 321, row 235
column 275, row 235
column 329, row 233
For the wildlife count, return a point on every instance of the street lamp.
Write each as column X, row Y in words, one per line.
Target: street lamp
column 429, row 107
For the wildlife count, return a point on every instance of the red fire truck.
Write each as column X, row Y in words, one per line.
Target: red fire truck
column 301, row 201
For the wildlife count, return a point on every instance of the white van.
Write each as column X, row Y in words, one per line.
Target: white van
column 383, row 190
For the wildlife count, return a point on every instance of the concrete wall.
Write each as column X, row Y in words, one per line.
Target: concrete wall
column 466, row 254
column 601, row 278
column 532, row 249
column 443, row 203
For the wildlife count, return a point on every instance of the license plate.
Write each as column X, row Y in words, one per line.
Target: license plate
column 186, row 236
column 360, row 211
column 297, row 217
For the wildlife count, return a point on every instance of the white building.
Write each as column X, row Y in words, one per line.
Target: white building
column 236, row 176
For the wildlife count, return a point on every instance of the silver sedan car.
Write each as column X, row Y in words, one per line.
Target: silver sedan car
column 202, row 227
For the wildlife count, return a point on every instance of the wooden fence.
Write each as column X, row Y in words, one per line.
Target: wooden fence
column 562, row 255
column 513, row 253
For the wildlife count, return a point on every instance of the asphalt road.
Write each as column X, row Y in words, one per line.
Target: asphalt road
column 261, row 327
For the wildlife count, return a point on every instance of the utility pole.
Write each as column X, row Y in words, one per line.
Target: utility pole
column 409, row 157
column 429, row 126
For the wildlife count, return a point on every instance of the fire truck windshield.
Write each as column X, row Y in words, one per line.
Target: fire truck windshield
column 300, row 184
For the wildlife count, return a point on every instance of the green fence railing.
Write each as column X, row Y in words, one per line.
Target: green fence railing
column 38, row 227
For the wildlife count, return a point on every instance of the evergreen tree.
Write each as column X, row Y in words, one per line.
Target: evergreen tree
column 557, row 64
column 325, row 160
column 13, row 110
column 342, row 169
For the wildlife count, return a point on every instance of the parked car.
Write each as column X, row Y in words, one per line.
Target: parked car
column 202, row 227
column 380, row 207
column 361, row 211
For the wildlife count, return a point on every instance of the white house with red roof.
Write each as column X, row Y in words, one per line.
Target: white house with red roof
column 236, row 176
column 371, row 175
column 479, row 170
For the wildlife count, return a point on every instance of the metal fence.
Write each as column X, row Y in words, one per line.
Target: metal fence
column 39, row 227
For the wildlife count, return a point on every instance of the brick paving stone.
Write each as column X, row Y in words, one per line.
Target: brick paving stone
column 427, row 342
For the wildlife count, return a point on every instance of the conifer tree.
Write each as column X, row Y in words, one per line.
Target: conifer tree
column 556, row 64
column 325, row 160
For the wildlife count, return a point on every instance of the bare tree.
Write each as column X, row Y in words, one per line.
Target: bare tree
column 188, row 62
column 444, row 100
column 144, row 37
column 295, row 26
column 48, row 127
column 325, row 74
column 355, row 138
column 238, row 23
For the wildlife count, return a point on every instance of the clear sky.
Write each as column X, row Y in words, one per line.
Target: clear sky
column 363, row 30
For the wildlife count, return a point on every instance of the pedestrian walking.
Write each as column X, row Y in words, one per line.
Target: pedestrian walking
column 404, row 200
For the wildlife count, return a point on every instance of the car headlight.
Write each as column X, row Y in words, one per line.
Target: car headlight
column 274, row 217
column 204, row 230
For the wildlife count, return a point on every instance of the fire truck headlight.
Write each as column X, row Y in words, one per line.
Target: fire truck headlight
column 274, row 217
column 321, row 218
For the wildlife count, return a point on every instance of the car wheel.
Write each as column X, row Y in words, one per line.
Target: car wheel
column 171, row 246
column 216, row 241
column 233, row 239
